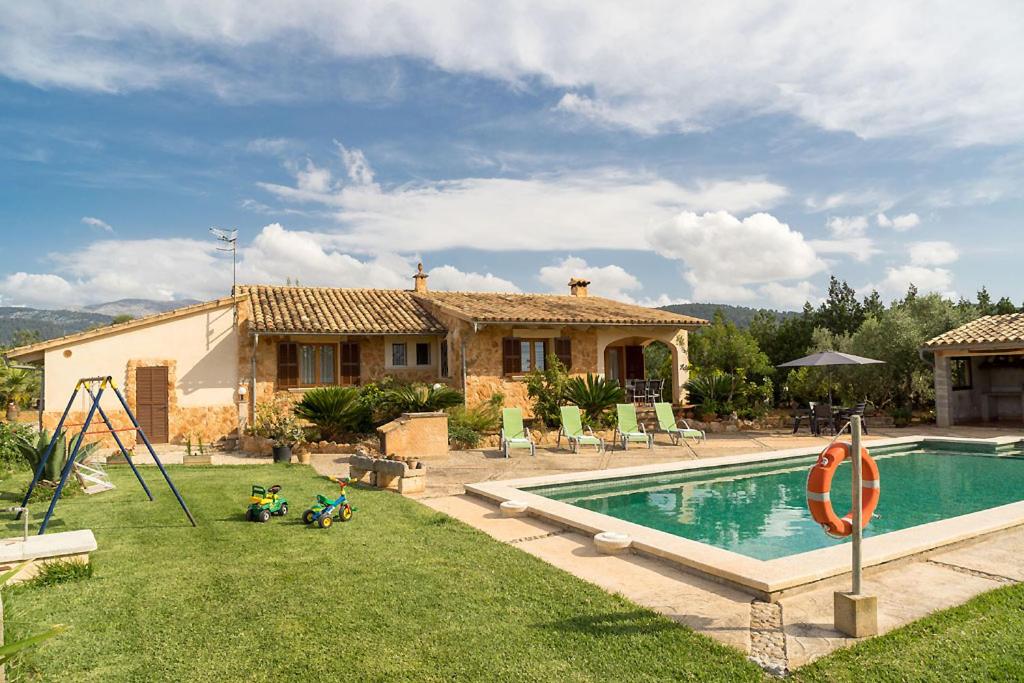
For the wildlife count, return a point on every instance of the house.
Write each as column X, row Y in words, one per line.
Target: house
column 979, row 371
column 200, row 370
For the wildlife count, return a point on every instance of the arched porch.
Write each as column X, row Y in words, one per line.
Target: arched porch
column 620, row 356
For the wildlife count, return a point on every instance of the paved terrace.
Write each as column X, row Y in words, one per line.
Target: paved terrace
column 780, row 636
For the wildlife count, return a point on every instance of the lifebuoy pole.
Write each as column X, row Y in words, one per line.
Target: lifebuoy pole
column 857, row 512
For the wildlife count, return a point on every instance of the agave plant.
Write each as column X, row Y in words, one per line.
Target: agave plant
column 713, row 391
column 421, row 398
column 595, row 396
column 334, row 410
column 33, row 450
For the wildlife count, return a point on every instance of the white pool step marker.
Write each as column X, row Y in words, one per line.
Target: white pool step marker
column 93, row 478
column 513, row 508
column 611, row 542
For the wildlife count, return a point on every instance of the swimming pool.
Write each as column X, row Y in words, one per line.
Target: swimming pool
column 760, row 510
column 742, row 519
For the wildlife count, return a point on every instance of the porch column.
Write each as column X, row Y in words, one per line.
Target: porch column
column 943, row 417
column 680, row 366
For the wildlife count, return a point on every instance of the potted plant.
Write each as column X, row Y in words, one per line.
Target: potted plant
column 276, row 421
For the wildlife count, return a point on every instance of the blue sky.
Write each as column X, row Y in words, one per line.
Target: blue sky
column 668, row 154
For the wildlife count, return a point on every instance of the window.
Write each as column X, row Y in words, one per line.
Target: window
column 422, row 353
column 306, row 365
column 398, row 355
column 520, row 356
column 444, row 358
column 960, row 372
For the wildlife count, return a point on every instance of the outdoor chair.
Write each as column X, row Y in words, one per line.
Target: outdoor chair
column 513, row 433
column 858, row 409
column 800, row 413
column 667, row 423
column 654, row 387
column 573, row 430
column 639, row 391
column 630, row 390
column 628, row 428
column 821, row 417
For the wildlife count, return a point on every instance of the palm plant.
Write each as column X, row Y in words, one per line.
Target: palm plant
column 17, row 386
column 421, row 398
column 713, row 391
column 33, row 450
column 595, row 396
column 334, row 410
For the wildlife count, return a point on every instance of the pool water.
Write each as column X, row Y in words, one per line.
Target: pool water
column 761, row 510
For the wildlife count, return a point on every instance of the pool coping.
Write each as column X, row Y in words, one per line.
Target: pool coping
column 766, row 579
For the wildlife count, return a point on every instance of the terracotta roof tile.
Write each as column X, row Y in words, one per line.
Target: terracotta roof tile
column 340, row 311
column 553, row 308
column 991, row 329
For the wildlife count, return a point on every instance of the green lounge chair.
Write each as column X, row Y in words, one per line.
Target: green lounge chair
column 513, row 433
column 572, row 429
column 629, row 428
column 667, row 424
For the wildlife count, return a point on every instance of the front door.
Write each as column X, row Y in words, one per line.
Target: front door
column 349, row 366
column 151, row 402
column 635, row 362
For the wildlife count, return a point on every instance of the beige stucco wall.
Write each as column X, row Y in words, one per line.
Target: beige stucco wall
column 199, row 350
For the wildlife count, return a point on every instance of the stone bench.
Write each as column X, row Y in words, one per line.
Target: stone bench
column 66, row 545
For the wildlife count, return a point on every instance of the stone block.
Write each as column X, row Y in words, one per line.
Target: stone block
column 415, row 435
column 856, row 615
column 407, row 484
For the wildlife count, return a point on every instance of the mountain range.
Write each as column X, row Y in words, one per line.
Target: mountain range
column 50, row 323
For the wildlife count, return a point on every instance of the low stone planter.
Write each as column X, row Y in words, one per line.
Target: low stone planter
column 205, row 459
column 393, row 475
column 612, row 542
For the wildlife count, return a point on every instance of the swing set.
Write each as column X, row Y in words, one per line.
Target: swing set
column 86, row 384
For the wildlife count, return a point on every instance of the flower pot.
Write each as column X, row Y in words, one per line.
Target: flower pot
column 12, row 411
column 283, row 454
column 303, row 457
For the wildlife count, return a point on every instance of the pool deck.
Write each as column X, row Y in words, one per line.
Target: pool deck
column 781, row 635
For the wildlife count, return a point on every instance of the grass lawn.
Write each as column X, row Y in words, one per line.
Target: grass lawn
column 398, row 593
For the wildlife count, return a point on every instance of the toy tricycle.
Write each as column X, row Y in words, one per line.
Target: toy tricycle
column 325, row 510
column 265, row 502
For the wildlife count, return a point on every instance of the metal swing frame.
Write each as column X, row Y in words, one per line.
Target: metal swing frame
column 104, row 383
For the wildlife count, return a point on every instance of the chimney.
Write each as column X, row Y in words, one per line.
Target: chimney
column 578, row 286
column 420, row 280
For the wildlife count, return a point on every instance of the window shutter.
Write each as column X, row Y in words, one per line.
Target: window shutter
column 511, row 358
column 563, row 351
column 287, row 364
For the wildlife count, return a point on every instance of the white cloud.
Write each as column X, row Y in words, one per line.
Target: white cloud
column 97, row 223
column 860, row 249
column 602, row 209
column 611, row 281
column 451, row 278
column 937, row 253
column 898, row 223
column 897, row 280
column 874, row 68
column 848, row 226
column 724, row 255
column 789, row 297
column 106, row 270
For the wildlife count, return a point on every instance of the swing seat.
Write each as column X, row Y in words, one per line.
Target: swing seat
column 93, row 478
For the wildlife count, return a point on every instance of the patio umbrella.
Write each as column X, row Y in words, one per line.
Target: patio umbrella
column 827, row 359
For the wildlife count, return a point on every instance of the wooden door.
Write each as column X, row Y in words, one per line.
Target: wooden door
column 349, row 367
column 635, row 362
column 151, row 402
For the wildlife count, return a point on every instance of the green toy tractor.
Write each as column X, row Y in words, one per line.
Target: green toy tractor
column 265, row 502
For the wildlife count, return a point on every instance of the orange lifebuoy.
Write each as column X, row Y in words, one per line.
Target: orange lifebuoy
column 819, row 484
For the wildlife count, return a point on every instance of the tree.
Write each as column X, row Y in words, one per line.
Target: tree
column 121, row 318
column 25, row 338
column 1004, row 306
column 723, row 346
column 840, row 313
column 984, row 304
column 873, row 305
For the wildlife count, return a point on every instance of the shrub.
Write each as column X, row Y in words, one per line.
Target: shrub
column 276, row 421
column 33, row 448
column 11, row 434
column 724, row 393
column 595, row 396
column 334, row 410
column 420, row 398
column 466, row 426
column 547, row 390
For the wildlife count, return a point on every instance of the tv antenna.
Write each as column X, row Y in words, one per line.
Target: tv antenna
column 229, row 238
